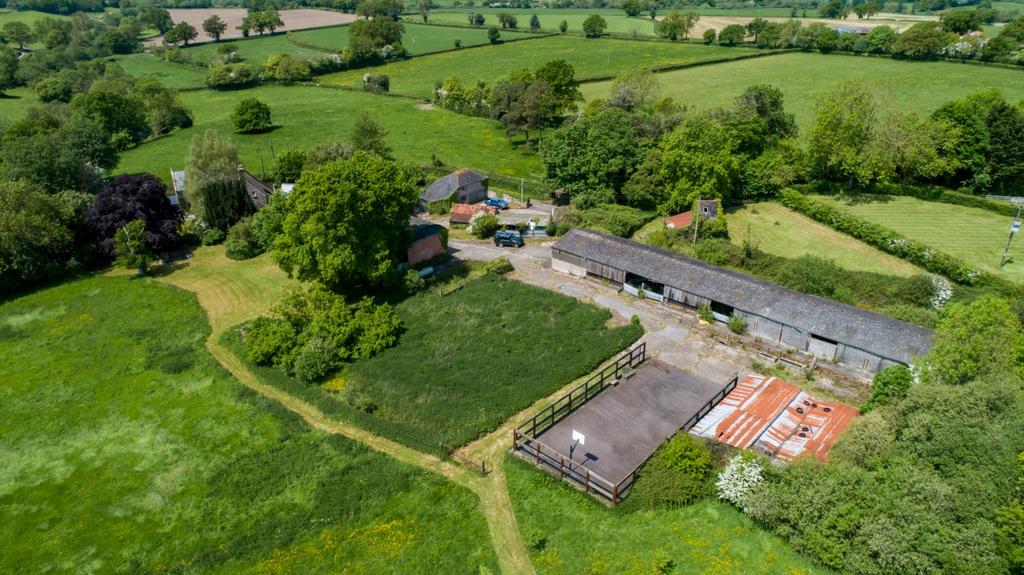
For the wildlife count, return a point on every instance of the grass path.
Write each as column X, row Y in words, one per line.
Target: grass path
column 230, row 293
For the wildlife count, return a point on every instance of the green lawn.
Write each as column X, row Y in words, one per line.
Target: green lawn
column 308, row 115
column 172, row 75
column 974, row 235
column 418, row 38
column 256, row 49
column 589, row 57
column 779, row 231
column 918, row 86
column 29, row 17
column 15, row 102
column 567, row 531
column 128, row 449
column 468, row 361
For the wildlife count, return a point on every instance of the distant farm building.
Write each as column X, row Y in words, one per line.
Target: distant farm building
column 428, row 242
column 824, row 328
column 776, row 419
column 257, row 190
column 463, row 186
column 708, row 209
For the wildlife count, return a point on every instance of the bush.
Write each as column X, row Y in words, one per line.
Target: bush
column 677, row 474
column 412, row 283
column 500, row 266
column 740, row 478
column 212, row 237
column 268, row 222
column 242, row 242
column 484, row 225
column 315, row 360
column 377, row 83
column 287, row 69
column 888, row 386
column 231, row 76
column 704, row 312
column 737, row 324
column 816, row 276
column 267, row 339
column 251, row 115
column 622, row 221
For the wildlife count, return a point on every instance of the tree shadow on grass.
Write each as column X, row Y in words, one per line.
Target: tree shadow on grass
column 857, row 199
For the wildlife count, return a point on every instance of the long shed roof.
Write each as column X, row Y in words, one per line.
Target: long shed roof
column 871, row 332
column 444, row 187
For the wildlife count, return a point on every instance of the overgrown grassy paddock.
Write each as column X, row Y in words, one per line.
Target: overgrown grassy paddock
column 779, row 231
column 307, row 115
column 416, row 76
column 466, row 362
column 418, row 39
column 567, row 531
column 915, row 86
column 127, row 448
column 971, row 234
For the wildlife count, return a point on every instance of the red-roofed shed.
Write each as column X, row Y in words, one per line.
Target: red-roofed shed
column 679, row 221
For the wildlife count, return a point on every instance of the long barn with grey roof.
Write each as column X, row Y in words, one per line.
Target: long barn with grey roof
column 828, row 329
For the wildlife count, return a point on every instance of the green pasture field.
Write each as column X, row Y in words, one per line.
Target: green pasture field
column 971, row 234
column 15, row 102
column 418, row 38
column 256, row 49
column 590, row 57
column 468, row 361
column 567, row 531
column 618, row 22
column 920, row 87
column 779, row 231
column 29, row 17
column 308, row 115
column 172, row 75
column 127, row 448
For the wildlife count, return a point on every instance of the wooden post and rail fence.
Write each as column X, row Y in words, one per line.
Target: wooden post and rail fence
column 527, row 446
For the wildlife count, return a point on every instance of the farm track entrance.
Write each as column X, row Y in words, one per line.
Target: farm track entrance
column 224, row 302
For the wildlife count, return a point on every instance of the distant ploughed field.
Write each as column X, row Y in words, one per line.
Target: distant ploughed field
column 293, row 19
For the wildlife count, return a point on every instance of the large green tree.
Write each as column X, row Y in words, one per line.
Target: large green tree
column 842, row 134
column 698, row 161
column 676, row 26
column 348, row 222
column 597, row 153
column 973, row 338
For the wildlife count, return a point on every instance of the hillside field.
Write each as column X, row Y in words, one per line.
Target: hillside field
column 128, row 449
column 779, row 231
column 418, row 38
column 567, row 531
column 590, row 57
column 255, row 50
column 308, row 115
column 918, row 86
column 974, row 235
column 172, row 75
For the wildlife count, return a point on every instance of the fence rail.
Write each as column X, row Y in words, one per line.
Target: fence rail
column 582, row 393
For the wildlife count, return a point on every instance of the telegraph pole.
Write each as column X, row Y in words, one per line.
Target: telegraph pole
column 1014, row 228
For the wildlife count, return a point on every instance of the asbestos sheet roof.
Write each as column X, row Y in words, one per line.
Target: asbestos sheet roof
column 178, row 179
column 776, row 419
column 883, row 336
column 443, row 188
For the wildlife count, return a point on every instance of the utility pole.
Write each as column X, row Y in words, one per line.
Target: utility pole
column 1014, row 228
column 696, row 221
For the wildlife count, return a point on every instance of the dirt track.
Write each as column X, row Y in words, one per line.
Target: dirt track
column 293, row 19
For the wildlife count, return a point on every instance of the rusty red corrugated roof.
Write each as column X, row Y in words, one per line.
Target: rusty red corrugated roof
column 679, row 220
column 776, row 418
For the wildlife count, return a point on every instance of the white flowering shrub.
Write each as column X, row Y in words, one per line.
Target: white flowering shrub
column 740, row 478
column 943, row 291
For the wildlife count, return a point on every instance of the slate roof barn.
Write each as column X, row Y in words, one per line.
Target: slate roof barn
column 259, row 192
column 822, row 327
column 463, row 186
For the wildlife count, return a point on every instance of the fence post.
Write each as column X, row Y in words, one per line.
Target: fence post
column 561, row 467
column 588, row 481
column 615, row 494
column 537, row 447
column 483, row 469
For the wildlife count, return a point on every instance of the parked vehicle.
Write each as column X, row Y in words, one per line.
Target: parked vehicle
column 496, row 203
column 508, row 238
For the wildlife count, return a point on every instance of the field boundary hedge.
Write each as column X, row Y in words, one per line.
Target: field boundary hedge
column 686, row 65
column 887, row 240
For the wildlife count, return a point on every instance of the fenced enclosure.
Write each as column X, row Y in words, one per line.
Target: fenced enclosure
column 628, row 422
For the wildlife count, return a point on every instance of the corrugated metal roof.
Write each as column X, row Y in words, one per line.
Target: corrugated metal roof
column 462, row 213
column 679, row 220
column 444, row 187
column 883, row 336
column 775, row 418
column 178, row 180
